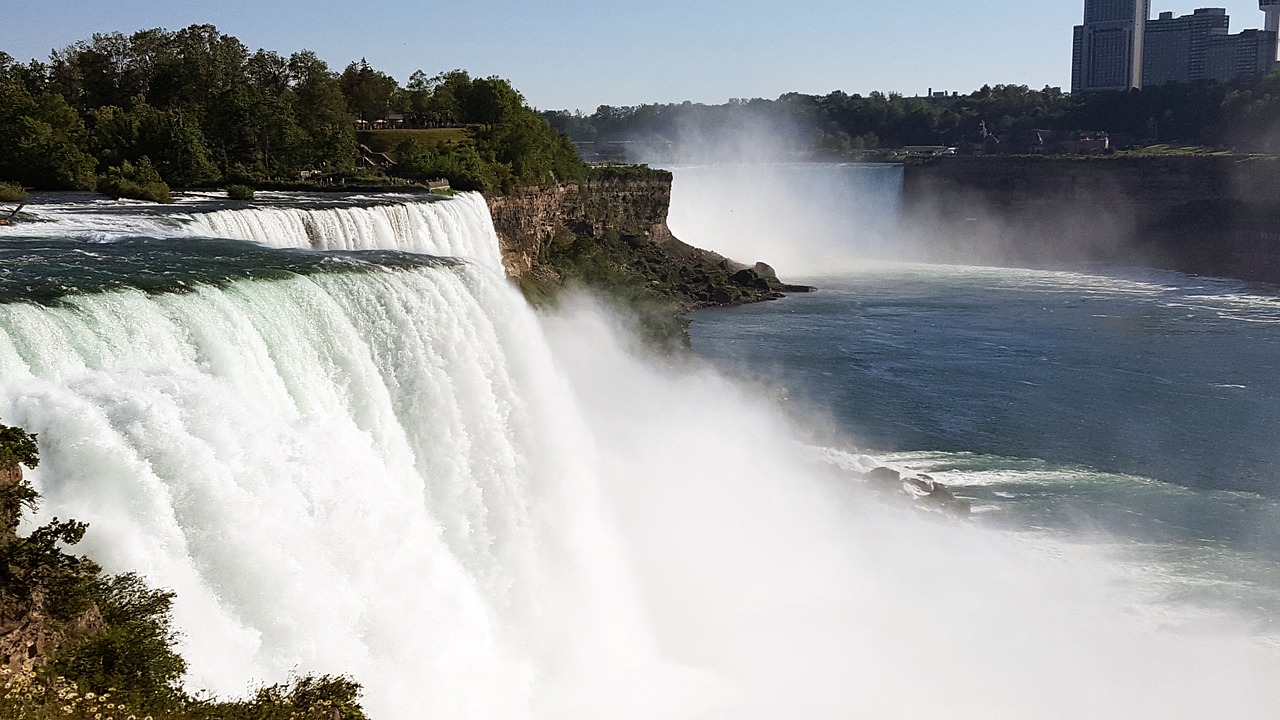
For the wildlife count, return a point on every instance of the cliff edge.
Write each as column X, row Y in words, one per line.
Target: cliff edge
column 609, row 233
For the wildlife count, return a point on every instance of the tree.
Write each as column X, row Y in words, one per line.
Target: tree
column 368, row 91
column 134, row 656
column 253, row 129
column 322, row 112
column 172, row 139
column 489, row 101
column 41, row 141
column 268, row 73
column 195, row 65
column 447, row 91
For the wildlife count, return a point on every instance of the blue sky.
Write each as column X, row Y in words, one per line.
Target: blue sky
column 577, row 55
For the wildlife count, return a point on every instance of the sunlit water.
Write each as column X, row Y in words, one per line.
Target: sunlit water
column 1124, row 407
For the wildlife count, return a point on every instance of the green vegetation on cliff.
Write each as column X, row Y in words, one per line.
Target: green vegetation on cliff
column 78, row 644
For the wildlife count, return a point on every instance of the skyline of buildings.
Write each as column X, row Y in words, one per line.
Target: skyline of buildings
column 1119, row 46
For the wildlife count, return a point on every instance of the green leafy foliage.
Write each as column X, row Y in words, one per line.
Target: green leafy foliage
column 627, row 172
column 368, row 91
column 460, row 164
column 37, row 566
column 324, row 697
column 205, row 112
column 240, row 192
column 12, row 192
column 42, row 141
column 136, row 182
column 171, row 139
column 609, row 268
column 18, row 447
column 134, row 655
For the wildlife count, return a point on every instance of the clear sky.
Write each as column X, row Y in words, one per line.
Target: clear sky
column 574, row 54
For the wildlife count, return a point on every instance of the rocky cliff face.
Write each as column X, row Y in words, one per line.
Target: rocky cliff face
column 1204, row 215
column 529, row 219
column 613, row 231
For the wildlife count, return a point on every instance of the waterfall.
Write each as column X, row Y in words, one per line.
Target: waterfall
column 409, row 477
column 374, row 475
column 458, row 227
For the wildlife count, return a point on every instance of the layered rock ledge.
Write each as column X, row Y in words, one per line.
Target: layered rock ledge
column 611, row 230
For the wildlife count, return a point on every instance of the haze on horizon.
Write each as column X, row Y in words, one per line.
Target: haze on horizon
column 571, row 54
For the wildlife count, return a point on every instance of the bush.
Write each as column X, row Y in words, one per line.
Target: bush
column 134, row 656
column 136, row 182
column 12, row 192
column 17, row 447
column 626, row 172
column 240, row 192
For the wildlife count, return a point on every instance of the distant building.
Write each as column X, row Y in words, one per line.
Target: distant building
column 1176, row 49
column 1272, row 9
column 1118, row 48
column 1108, row 48
column 1199, row 47
column 1250, row 52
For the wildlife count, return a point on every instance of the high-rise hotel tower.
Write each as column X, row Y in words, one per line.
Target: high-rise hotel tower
column 1107, row 53
column 1272, row 9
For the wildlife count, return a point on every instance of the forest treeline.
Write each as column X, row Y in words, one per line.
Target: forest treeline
column 197, row 108
column 1242, row 115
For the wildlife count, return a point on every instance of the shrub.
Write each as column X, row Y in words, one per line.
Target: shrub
column 136, row 182
column 240, row 192
column 134, row 655
column 12, row 192
column 626, row 172
column 17, row 447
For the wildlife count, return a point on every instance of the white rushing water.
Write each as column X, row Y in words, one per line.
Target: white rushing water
column 479, row 513
column 461, row 227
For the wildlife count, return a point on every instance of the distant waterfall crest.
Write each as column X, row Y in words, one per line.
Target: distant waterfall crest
column 459, row 227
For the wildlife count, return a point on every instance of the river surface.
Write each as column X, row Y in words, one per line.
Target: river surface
column 1130, row 408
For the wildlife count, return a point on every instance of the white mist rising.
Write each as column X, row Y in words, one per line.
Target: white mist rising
column 478, row 513
column 805, row 220
column 813, row 600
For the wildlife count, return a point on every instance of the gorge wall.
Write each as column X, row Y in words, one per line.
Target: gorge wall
column 1197, row 214
column 528, row 220
column 611, row 230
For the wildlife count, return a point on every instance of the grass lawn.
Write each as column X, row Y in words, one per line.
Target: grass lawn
column 386, row 141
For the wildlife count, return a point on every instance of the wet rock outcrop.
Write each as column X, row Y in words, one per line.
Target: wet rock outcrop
column 924, row 491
